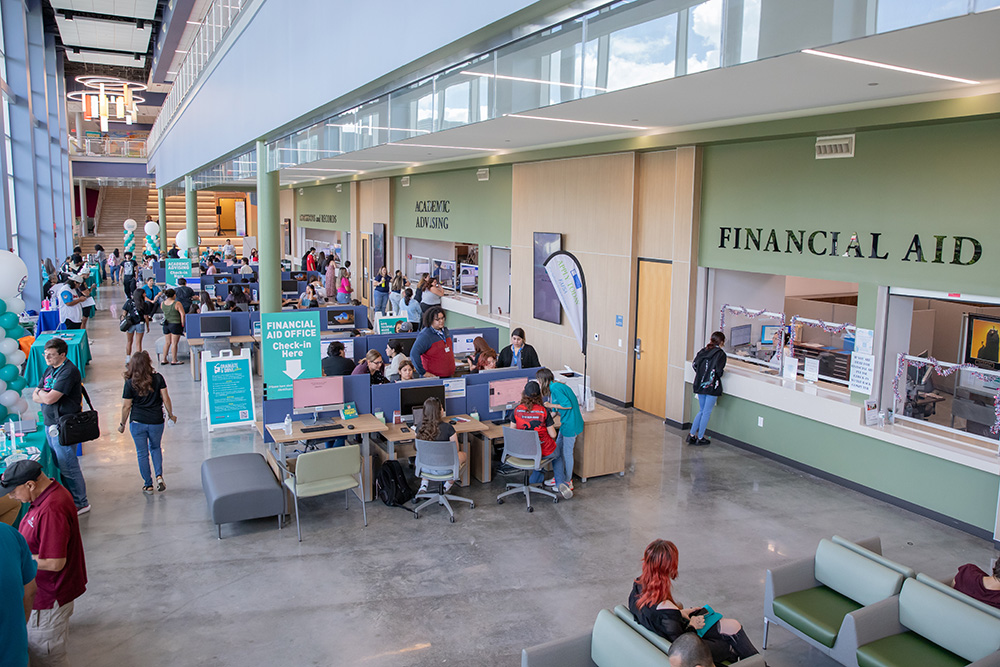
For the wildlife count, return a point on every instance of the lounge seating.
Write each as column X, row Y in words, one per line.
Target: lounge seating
column 816, row 598
column 616, row 640
column 929, row 626
column 240, row 487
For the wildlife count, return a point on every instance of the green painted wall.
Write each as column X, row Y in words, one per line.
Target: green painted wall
column 478, row 211
column 928, row 180
column 322, row 207
column 954, row 490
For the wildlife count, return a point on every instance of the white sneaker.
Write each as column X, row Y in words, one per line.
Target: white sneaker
column 566, row 492
column 550, row 481
column 82, row 510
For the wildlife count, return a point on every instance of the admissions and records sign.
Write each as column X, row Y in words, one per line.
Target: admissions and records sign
column 290, row 349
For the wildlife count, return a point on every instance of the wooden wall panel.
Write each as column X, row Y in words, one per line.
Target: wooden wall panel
column 656, row 191
column 590, row 202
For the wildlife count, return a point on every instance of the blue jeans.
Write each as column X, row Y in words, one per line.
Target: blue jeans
column 343, row 297
column 69, row 467
column 147, row 444
column 706, row 403
column 381, row 298
column 565, row 446
column 538, row 476
column 336, row 442
column 394, row 299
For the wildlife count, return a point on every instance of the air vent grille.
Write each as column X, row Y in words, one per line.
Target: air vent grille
column 405, row 181
column 833, row 147
column 483, row 174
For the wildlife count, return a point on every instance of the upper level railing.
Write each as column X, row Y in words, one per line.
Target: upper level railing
column 220, row 16
column 130, row 148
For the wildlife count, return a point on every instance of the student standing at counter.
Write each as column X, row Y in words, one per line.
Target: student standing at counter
column 518, row 354
column 396, row 290
column 411, row 306
column 709, row 364
column 433, row 352
column 561, row 399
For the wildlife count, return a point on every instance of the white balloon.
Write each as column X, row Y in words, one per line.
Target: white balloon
column 7, row 346
column 3, row 386
column 130, row 225
column 9, row 398
column 13, row 275
column 152, row 228
column 16, row 357
column 15, row 304
column 181, row 239
column 21, row 407
column 3, row 334
column 27, row 393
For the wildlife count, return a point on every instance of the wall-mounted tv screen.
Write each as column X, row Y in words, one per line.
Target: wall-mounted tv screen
column 546, row 301
column 982, row 342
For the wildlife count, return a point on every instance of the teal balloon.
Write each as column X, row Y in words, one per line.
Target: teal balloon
column 8, row 373
column 8, row 320
column 3, row 306
column 17, row 384
column 16, row 332
column 3, row 412
column 3, row 358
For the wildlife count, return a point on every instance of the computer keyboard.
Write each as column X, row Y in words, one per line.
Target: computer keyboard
column 501, row 422
column 326, row 427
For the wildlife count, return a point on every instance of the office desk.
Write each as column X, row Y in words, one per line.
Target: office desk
column 402, row 445
column 195, row 344
column 482, row 456
column 364, row 425
column 600, row 449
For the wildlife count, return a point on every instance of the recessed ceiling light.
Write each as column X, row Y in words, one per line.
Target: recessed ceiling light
column 457, row 148
column 894, row 68
column 527, row 80
column 578, row 122
column 316, row 169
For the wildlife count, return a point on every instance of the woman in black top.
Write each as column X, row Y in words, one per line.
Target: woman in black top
column 709, row 364
column 238, row 300
column 652, row 603
column 143, row 399
column 136, row 310
column 434, row 427
column 518, row 354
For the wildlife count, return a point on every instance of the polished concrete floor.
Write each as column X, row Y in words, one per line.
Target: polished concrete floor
column 164, row 591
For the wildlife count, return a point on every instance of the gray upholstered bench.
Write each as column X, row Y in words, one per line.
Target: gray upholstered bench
column 240, row 487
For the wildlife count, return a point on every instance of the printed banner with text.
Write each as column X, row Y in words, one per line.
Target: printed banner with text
column 290, row 349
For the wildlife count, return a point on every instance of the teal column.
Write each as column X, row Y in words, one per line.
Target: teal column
column 161, row 204
column 268, row 234
column 191, row 215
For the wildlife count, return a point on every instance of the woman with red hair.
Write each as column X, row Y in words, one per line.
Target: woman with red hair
column 653, row 605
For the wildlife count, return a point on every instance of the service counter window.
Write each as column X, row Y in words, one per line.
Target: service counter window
column 943, row 364
column 455, row 265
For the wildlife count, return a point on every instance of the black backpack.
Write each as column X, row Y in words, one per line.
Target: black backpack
column 391, row 486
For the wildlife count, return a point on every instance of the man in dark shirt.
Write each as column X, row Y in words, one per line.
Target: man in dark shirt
column 184, row 294
column 52, row 531
column 59, row 393
column 174, row 253
column 335, row 363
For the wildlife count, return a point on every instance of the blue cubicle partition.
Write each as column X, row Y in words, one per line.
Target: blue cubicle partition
column 360, row 316
column 240, row 323
column 385, row 397
column 357, row 388
column 222, row 291
column 477, row 390
column 380, row 341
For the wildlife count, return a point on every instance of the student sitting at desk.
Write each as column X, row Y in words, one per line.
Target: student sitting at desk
column 394, row 350
column 532, row 415
column 245, row 268
column 308, row 298
column 238, row 299
column 372, row 364
column 433, row 351
column 435, row 428
column 406, row 371
column 207, row 303
column 335, row 363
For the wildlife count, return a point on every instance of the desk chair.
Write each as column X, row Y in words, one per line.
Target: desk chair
column 325, row 471
column 438, row 462
column 523, row 450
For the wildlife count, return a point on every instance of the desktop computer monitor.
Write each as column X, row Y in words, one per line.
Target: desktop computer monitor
column 315, row 395
column 340, row 318
column 414, row 397
column 215, row 326
column 348, row 345
column 464, row 343
column 767, row 332
column 299, row 276
column 289, row 287
column 740, row 335
column 223, row 280
column 505, row 394
column 406, row 343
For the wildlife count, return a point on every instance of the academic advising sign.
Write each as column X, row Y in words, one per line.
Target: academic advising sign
column 290, row 349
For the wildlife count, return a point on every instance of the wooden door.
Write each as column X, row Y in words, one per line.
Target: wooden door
column 652, row 332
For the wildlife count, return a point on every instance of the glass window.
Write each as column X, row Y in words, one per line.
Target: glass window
column 704, row 36
column 897, row 14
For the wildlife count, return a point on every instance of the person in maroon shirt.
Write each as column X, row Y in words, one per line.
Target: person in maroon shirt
column 978, row 585
column 52, row 530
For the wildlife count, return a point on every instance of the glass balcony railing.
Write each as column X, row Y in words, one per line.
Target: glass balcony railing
column 129, row 148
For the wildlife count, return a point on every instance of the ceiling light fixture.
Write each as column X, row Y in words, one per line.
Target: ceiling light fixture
column 894, row 68
column 317, row 169
column 457, row 148
column 527, row 80
column 110, row 91
column 578, row 122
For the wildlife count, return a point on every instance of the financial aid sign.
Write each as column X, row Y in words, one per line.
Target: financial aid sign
column 290, row 346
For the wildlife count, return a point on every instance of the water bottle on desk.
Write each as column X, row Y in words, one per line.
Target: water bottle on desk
column 288, row 424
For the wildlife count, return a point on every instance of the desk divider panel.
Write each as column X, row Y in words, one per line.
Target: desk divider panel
column 385, row 397
column 239, row 322
column 222, row 291
column 357, row 388
column 491, row 334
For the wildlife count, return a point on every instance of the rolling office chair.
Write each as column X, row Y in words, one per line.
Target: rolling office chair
column 523, row 450
column 438, row 462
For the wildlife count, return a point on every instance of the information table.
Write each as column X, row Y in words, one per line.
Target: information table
column 48, row 320
column 78, row 353
column 44, row 456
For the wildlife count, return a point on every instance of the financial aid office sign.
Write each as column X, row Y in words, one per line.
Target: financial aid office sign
column 290, row 347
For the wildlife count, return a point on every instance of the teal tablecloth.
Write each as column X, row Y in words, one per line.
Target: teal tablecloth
column 93, row 279
column 78, row 353
column 44, row 456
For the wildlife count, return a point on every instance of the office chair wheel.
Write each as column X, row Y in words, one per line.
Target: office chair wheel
column 416, row 515
column 555, row 501
column 530, row 509
column 499, row 501
column 472, row 506
column 452, row 519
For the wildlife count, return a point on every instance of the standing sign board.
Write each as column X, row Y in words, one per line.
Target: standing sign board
column 386, row 324
column 177, row 268
column 227, row 389
column 290, row 349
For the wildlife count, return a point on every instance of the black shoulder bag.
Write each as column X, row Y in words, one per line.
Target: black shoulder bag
column 83, row 426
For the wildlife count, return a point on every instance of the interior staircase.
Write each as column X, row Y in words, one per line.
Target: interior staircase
column 176, row 217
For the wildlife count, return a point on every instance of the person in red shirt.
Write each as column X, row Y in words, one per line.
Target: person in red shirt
column 531, row 414
column 52, row 530
column 433, row 352
column 978, row 585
